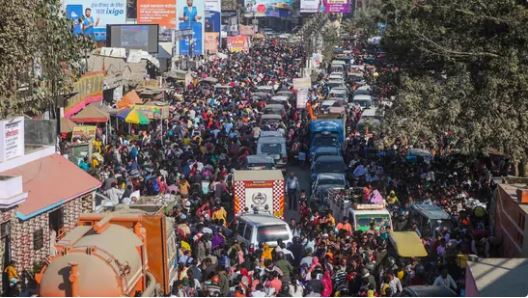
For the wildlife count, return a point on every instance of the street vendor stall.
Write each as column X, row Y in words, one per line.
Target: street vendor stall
column 91, row 114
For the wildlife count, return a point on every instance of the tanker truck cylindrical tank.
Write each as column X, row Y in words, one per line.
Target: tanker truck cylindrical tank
column 108, row 264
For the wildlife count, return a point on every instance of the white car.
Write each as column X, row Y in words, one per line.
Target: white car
column 262, row 228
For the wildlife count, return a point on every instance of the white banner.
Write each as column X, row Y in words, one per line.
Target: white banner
column 310, row 6
column 11, row 138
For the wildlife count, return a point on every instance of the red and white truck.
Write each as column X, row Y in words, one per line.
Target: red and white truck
column 261, row 190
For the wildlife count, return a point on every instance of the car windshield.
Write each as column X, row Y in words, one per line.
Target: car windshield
column 363, row 103
column 364, row 220
column 268, row 166
column 326, row 141
column 272, row 233
column 331, row 181
column 271, row 148
column 330, row 167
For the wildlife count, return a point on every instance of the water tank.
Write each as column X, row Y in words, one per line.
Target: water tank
column 108, row 263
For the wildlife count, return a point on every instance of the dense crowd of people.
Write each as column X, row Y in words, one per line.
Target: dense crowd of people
column 212, row 131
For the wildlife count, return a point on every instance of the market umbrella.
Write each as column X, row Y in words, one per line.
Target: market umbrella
column 136, row 117
column 122, row 114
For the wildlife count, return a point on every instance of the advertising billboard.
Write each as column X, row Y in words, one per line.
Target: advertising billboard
column 133, row 37
column 336, row 6
column 269, row 8
column 310, row 6
column 191, row 15
column 212, row 42
column 238, row 43
column 213, row 24
column 90, row 17
column 161, row 12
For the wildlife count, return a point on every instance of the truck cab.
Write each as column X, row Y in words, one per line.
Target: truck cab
column 362, row 215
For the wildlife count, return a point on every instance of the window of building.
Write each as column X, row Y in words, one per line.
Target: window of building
column 38, row 239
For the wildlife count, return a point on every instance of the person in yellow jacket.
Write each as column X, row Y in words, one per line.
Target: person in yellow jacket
column 266, row 253
column 220, row 213
column 392, row 199
column 12, row 274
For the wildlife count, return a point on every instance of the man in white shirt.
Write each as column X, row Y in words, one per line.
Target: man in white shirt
column 292, row 187
column 394, row 284
column 445, row 280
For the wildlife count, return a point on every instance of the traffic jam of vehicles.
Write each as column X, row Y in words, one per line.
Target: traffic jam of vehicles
column 269, row 199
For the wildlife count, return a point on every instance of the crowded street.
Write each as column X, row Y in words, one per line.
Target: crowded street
column 326, row 251
column 155, row 148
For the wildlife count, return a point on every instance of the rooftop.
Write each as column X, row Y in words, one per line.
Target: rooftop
column 49, row 182
column 511, row 184
column 500, row 277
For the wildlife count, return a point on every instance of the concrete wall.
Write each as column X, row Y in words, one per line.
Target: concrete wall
column 511, row 225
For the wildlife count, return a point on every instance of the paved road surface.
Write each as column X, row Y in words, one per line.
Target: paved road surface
column 303, row 174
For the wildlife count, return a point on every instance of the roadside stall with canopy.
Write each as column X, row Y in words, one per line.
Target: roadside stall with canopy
column 92, row 114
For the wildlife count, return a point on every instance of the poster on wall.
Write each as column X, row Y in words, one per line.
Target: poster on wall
column 90, row 17
column 269, row 8
column 11, row 138
column 191, row 15
column 311, row 6
column 212, row 42
column 212, row 25
column 238, row 43
column 336, row 6
column 247, row 30
column 161, row 12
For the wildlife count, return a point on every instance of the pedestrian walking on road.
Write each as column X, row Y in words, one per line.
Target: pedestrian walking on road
column 292, row 185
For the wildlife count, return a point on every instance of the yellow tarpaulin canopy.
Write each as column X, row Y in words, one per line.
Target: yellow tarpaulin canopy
column 408, row 244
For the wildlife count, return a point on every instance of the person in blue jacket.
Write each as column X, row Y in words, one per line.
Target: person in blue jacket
column 190, row 13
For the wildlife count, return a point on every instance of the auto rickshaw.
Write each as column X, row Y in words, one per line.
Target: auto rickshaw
column 407, row 244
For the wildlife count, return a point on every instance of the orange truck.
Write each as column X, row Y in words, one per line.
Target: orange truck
column 129, row 252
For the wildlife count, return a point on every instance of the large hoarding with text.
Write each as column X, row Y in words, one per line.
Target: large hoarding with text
column 90, row 17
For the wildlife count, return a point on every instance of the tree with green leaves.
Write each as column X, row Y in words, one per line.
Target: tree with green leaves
column 39, row 56
column 462, row 71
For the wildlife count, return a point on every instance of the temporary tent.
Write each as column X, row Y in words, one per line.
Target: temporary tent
column 66, row 125
column 130, row 99
column 91, row 114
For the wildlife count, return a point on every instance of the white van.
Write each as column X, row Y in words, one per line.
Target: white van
column 364, row 101
column 262, row 228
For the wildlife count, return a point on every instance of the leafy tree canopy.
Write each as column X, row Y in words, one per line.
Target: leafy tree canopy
column 39, row 55
column 461, row 68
